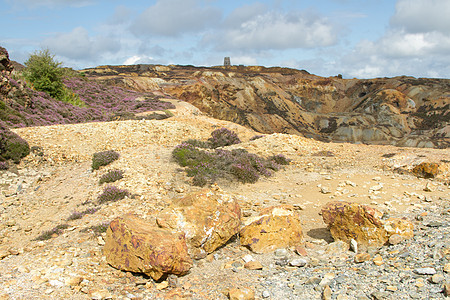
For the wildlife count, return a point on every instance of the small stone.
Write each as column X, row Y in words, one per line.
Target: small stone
column 241, row 294
column 354, row 245
column 281, row 252
column 326, row 295
column 362, row 257
column 391, row 288
column 4, row 253
column 265, row 294
column 428, row 187
column 378, row 260
column 437, row 278
column 377, row 178
column 301, row 251
column 298, row 262
column 380, row 295
column 74, row 281
column 162, row 285
column 253, row 265
column 447, row 268
column 55, row 283
column 419, row 283
column 425, row 271
column 100, row 240
column 327, row 278
column 447, row 289
column 247, row 258
column 325, row 190
column 395, row 239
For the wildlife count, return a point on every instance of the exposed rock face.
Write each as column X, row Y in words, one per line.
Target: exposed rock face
column 403, row 111
column 426, row 170
column 362, row 223
column 275, row 227
column 134, row 245
column 5, row 63
column 209, row 218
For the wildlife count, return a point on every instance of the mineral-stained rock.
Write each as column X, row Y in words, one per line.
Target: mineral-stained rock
column 276, row 227
column 209, row 218
column 135, row 245
column 426, row 170
column 241, row 294
column 362, row 223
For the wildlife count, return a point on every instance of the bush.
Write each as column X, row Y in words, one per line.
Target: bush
column 112, row 194
column 103, row 158
column 78, row 215
column 111, row 176
column 223, row 137
column 207, row 166
column 97, row 229
column 57, row 230
column 12, row 146
column 4, row 165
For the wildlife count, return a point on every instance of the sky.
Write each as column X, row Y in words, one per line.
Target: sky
column 355, row 38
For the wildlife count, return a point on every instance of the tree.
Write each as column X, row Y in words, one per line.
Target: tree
column 45, row 73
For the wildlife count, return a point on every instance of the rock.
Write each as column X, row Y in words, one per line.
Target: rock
column 447, row 268
column 425, row 271
column 74, row 281
column 378, row 260
column 208, row 218
column 298, row 262
column 241, row 294
column 437, row 278
column 395, row 239
column 362, row 223
column 354, row 245
column 134, row 245
column 275, row 227
column 362, row 257
column 265, row 294
column 446, row 290
column 253, row 265
column 336, row 248
column 426, row 170
column 428, row 188
column 162, row 285
column 326, row 294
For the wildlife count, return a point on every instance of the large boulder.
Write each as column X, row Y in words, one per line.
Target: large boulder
column 209, row 218
column 5, row 63
column 275, row 227
column 135, row 245
column 362, row 223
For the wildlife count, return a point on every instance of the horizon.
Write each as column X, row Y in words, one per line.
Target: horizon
column 358, row 39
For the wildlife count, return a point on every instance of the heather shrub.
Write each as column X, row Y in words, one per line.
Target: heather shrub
column 12, row 146
column 112, row 194
column 4, row 165
column 206, row 166
column 255, row 137
column 223, row 137
column 279, row 159
column 97, row 229
column 78, row 215
column 103, row 158
column 57, row 230
column 111, row 176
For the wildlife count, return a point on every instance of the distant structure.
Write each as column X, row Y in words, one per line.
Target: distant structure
column 226, row 61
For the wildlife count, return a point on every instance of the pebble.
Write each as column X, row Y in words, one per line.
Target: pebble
column 241, row 294
column 326, row 295
column 362, row 257
column 437, row 278
column 253, row 265
column 425, row 271
column 265, row 294
column 298, row 262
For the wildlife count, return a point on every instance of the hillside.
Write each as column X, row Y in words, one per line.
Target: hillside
column 402, row 111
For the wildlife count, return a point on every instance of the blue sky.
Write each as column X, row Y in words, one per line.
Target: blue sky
column 356, row 38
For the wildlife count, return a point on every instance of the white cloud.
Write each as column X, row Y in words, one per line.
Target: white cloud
column 175, row 17
column 274, row 30
column 77, row 44
column 417, row 16
column 138, row 59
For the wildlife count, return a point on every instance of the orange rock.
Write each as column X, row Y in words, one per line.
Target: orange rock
column 426, row 170
column 241, row 294
column 134, row 245
column 208, row 218
column 362, row 223
column 276, row 227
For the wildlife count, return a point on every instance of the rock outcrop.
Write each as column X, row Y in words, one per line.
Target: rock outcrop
column 363, row 224
column 275, row 227
column 402, row 111
column 135, row 245
column 209, row 218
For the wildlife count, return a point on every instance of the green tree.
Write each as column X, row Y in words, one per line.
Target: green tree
column 45, row 73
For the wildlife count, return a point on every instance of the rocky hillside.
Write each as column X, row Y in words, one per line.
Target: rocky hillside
column 402, row 111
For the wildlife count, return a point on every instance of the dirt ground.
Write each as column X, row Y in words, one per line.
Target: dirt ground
column 44, row 190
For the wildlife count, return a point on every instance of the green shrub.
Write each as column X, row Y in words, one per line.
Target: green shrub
column 103, row 158
column 111, row 176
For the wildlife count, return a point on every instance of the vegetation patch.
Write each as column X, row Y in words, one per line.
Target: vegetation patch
column 97, row 229
column 207, row 166
column 78, row 215
column 112, row 194
column 111, row 176
column 12, row 146
column 103, row 158
column 55, row 231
